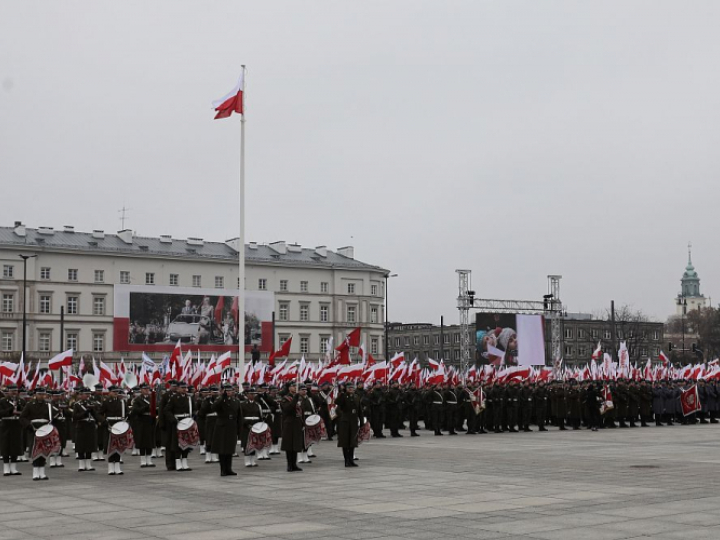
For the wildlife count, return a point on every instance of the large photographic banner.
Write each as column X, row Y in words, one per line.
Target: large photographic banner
column 509, row 339
column 151, row 318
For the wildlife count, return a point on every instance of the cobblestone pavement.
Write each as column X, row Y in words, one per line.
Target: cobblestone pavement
column 623, row 483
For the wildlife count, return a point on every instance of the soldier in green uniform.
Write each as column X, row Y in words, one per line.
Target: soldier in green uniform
column 540, row 405
column 144, row 422
column 84, row 417
column 350, row 420
column 11, row 431
column 292, row 427
column 228, row 410
column 393, row 402
column 526, row 403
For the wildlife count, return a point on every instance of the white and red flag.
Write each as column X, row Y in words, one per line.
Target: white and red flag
column 233, row 101
column 63, row 359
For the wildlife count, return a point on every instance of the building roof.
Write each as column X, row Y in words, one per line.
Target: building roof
column 125, row 243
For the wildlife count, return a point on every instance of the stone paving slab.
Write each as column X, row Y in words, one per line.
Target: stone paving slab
column 613, row 484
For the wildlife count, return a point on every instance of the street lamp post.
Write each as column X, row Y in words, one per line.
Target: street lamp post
column 24, row 320
column 387, row 276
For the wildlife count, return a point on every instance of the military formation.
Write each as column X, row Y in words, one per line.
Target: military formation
column 223, row 422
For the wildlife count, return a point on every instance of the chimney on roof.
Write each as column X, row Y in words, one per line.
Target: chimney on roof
column 347, row 251
column 253, row 245
column 195, row 241
column 98, row 234
column 19, row 229
column 46, row 230
column 279, row 247
column 165, row 239
column 69, row 228
column 321, row 251
column 294, row 248
column 126, row 235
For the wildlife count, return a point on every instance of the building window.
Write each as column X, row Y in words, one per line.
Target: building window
column 98, row 342
column 582, row 352
column 373, row 290
column 284, row 309
column 324, row 344
column 44, row 342
column 124, row 277
column 416, row 340
column 262, row 284
column 456, row 338
column 283, row 285
column 397, row 342
column 374, row 345
column 304, row 345
column 656, row 352
column 436, row 354
column 99, row 305
column 149, row 278
column 407, row 341
column 72, row 274
column 7, row 341
column 643, row 351
column 324, row 312
column 219, row 282
column 568, row 333
column 283, row 338
column 437, row 341
column 8, row 270
column 581, row 333
column 196, row 281
column 45, row 304
column 656, row 335
column 446, row 339
column 304, row 312
column 72, row 305
column 8, row 304
column 99, row 276
column 607, row 334
column 426, row 340
column 45, row 272
column 71, row 341
column 174, row 279
column 595, row 333
column 373, row 314
column 324, row 287
column 303, row 286
column 351, row 312
column 351, row 288
column 568, row 350
column 456, row 354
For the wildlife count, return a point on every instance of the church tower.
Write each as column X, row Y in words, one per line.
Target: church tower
column 690, row 295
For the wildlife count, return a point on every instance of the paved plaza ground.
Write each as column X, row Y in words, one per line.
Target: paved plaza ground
column 623, row 483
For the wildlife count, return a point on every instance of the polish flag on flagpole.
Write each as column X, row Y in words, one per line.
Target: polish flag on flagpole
column 233, row 101
column 61, row 360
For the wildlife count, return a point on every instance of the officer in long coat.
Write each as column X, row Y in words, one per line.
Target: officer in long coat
column 143, row 425
column 227, row 428
column 85, row 420
column 349, row 421
column 658, row 402
column 292, row 427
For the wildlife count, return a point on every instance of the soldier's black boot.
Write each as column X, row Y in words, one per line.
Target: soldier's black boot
column 414, row 433
column 228, row 466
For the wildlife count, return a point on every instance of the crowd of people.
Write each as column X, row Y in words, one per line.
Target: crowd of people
column 226, row 421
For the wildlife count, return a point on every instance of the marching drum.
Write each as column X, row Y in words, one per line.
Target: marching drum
column 260, row 437
column 47, row 442
column 314, row 429
column 121, row 438
column 187, row 433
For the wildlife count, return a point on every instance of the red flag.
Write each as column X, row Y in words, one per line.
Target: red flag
column 690, row 400
column 353, row 338
column 282, row 352
column 219, row 309
column 233, row 101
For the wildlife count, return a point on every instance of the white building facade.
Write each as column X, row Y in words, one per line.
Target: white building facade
column 318, row 294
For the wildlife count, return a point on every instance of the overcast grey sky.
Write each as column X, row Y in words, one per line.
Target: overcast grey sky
column 513, row 138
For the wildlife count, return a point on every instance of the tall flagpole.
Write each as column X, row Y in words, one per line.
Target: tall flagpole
column 241, row 245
